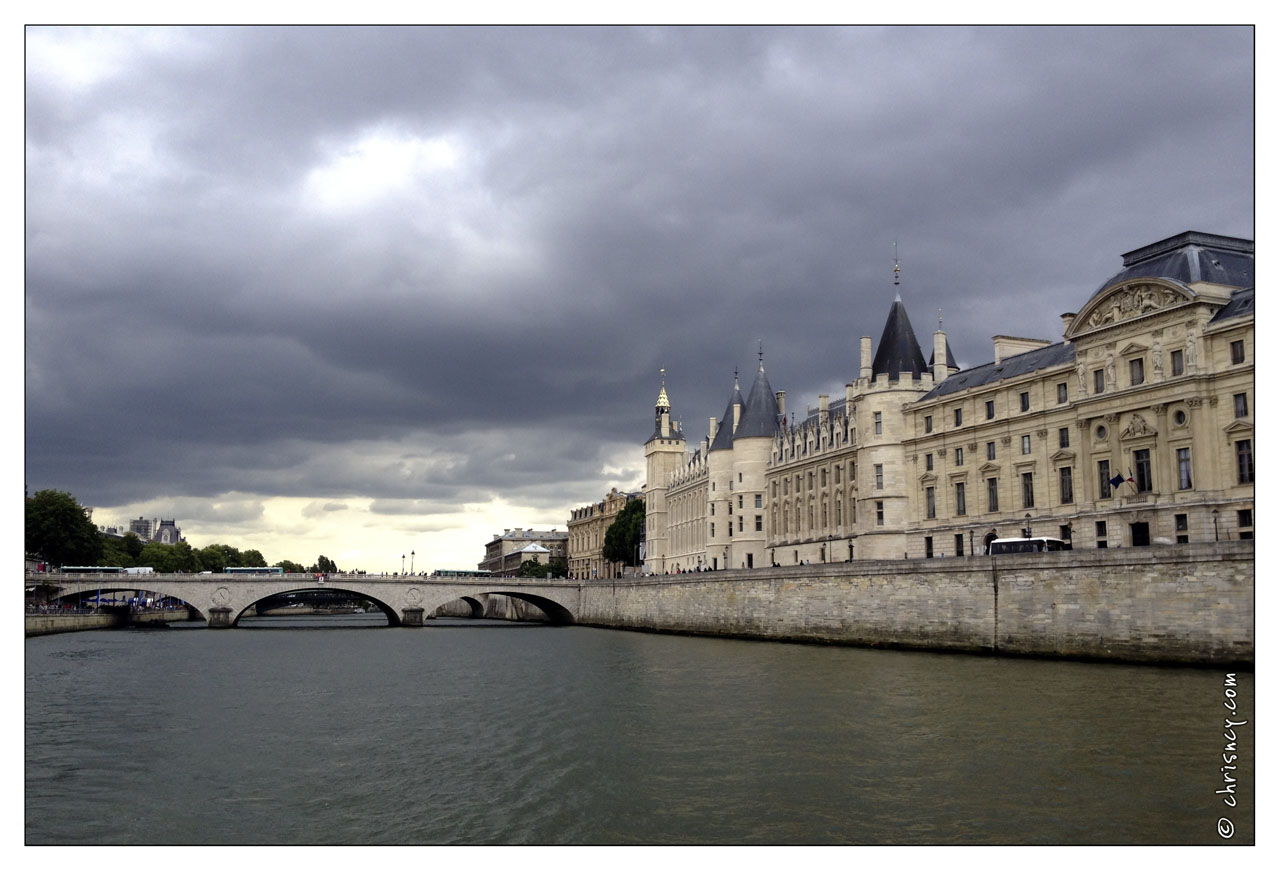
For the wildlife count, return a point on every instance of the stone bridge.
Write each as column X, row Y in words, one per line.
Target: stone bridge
column 223, row 599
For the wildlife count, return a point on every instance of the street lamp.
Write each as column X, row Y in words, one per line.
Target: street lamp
column 1215, row 524
column 1026, row 530
column 411, row 554
column 402, row 564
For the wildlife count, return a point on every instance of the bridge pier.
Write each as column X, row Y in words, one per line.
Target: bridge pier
column 220, row 618
column 411, row 617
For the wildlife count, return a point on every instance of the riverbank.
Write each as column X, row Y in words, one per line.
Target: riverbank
column 53, row 623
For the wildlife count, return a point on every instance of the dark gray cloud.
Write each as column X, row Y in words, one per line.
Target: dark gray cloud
column 428, row 266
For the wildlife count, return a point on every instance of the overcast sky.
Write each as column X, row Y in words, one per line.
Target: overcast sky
column 366, row 291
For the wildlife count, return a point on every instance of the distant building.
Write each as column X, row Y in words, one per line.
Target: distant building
column 162, row 531
column 1135, row 429
column 142, row 528
column 505, row 553
column 587, row 526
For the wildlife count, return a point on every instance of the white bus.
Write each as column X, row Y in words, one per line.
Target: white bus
column 1026, row 545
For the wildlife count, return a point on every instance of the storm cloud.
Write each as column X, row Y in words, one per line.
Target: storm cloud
column 429, row 267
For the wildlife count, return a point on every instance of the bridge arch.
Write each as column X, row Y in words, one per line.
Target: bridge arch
column 393, row 618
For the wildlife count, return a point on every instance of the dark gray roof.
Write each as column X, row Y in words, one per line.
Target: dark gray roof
column 1190, row 257
column 899, row 352
column 724, row 430
column 674, row 434
column 1241, row 304
column 760, row 416
column 1009, row 367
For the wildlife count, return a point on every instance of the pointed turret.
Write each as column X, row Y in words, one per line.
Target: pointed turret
column 760, row 416
column 729, row 422
column 899, row 352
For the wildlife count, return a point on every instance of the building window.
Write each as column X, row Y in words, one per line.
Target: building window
column 993, row 497
column 991, row 450
column 1242, row 404
column 1104, row 479
column 960, row 506
column 1099, row 381
column 811, row 482
column 1244, row 461
column 879, row 423
column 1064, row 437
column 1024, row 401
column 928, row 462
column 1142, row 467
column 930, row 508
column 1028, row 491
column 1062, row 392
column 991, row 409
column 879, row 514
column 1244, row 519
column 1175, row 362
column 1184, row 468
column 739, row 501
column 959, row 544
column 713, row 509
column 759, row 500
column 1135, row 371
column 879, row 476
column 1180, row 527
column 739, row 523
column 823, row 474
column 959, row 456
column 1064, row 486
column 928, row 423
column 1100, row 532
column 1237, row 351
column 713, row 530
column 1026, row 444
column 928, row 547
column 959, row 416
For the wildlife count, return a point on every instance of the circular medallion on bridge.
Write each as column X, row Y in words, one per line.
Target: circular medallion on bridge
column 413, row 595
column 221, row 596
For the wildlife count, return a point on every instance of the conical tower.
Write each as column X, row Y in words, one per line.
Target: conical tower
column 664, row 454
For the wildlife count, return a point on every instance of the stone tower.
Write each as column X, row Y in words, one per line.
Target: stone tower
column 664, row 455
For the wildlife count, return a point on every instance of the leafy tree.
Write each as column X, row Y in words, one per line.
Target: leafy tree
column 291, row 566
column 622, row 538
column 133, row 546
column 556, row 568
column 185, row 557
column 324, row 564
column 253, row 558
column 114, row 553
column 161, row 557
column 61, row 530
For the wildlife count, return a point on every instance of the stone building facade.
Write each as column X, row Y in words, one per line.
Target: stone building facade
column 504, row 553
column 1135, row 429
column 587, row 526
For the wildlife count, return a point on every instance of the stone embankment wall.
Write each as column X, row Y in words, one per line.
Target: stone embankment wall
column 1185, row 603
column 53, row 623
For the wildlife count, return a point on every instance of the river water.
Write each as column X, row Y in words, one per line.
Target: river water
column 327, row 730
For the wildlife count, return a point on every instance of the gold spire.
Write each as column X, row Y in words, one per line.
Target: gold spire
column 663, row 402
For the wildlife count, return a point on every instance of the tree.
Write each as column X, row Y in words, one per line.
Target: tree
column 290, row 566
column 61, row 530
column 253, row 558
column 132, row 546
column 622, row 538
column 324, row 564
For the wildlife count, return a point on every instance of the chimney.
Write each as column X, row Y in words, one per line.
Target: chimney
column 711, row 431
column 781, row 396
column 866, row 357
column 824, row 405
column 939, row 356
column 1067, row 318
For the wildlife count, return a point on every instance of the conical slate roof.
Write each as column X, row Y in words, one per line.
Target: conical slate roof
column 899, row 352
column 760, row 417
column 724, row 430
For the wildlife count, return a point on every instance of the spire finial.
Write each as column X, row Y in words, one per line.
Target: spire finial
column 897, row 269
column 663, row 401
column 939, row 318
column 761, row 352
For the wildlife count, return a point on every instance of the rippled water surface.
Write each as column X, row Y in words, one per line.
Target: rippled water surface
column 328, row 731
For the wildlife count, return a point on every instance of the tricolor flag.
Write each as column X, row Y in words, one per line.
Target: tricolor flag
column 1117, row 481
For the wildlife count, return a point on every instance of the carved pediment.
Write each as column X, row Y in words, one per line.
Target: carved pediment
column 988, row 468
column 1127, row 301
column 928, row 479
column 1238, row 426
column 1137, row 428
column 1133, row 348
column 1062, row 456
